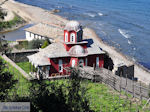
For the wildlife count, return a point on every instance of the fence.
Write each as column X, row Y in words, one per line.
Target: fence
column 136, row 89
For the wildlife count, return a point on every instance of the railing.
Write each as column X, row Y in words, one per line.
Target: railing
column 136, row 89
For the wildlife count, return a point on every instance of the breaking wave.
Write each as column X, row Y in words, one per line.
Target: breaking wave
column 100, row 14
column 124, row 33
column 91, row 15
column 129, row 42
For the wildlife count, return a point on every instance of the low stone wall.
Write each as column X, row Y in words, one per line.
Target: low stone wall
column 21, row 56
column 17, row 67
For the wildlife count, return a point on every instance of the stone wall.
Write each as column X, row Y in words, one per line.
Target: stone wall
column 20, row 56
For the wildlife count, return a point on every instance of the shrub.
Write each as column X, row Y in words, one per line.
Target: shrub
column 22, row 45
column 46, row 43
column 35, row 44
column 9, row 24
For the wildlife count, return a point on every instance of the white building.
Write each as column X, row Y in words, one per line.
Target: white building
column 42, row 31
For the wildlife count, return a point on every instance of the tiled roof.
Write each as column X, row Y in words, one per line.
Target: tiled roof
column 94, row 49
column 56, row 50
column 46, row 30
column 39, row 60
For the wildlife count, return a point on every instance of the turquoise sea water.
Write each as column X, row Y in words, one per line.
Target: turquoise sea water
column 124, row 24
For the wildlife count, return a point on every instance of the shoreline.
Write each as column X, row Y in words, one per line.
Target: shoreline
column 35, row 14
column 15, row 27
column 10, row 18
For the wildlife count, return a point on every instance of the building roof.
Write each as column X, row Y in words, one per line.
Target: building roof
column 94, row 49
column 54, row 50
column 37, row 60
column 73, row 26
column 46, row 30
column 57, row 50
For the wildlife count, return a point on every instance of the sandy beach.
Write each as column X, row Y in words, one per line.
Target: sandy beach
column 34, row 14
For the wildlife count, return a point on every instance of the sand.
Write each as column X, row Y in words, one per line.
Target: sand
column 34, row 14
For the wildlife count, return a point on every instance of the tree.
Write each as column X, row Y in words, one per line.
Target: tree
column 77, row 93
column 55, row 97
column 7, row 81
column 67, row 97
column 47, row 97
column 4, row 46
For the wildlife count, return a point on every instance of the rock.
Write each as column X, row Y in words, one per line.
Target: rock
column 55, row 11
column 3, row 13
column 7, row 15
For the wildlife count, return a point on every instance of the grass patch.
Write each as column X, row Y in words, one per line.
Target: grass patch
column 10, row 41
column 102, row 98
column 108, row 100
column 9, row 24
column 26, row 66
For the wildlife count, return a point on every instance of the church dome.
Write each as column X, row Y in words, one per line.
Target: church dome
column 73, row 25
column 77, row 50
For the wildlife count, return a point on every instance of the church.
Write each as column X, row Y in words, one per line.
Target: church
column 72, row 51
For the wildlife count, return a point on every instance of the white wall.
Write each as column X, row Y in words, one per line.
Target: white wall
column 30, row 36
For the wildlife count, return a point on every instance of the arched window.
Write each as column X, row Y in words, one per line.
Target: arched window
column 72, row 37
column 66, row 37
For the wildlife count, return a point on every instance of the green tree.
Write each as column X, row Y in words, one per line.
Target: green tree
column 4, row 47
column 55, row 97
column 67, row 97
column 47, row 97
column 77, row 93
column 7, row 81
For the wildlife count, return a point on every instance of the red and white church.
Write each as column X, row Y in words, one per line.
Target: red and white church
column 70, row 52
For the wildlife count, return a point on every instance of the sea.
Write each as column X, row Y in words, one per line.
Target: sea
column 124, row 24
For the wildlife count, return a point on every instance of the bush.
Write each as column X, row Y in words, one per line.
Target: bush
column 46, row 43
column 9, row 24
column 22, row 45
column 35, row 44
